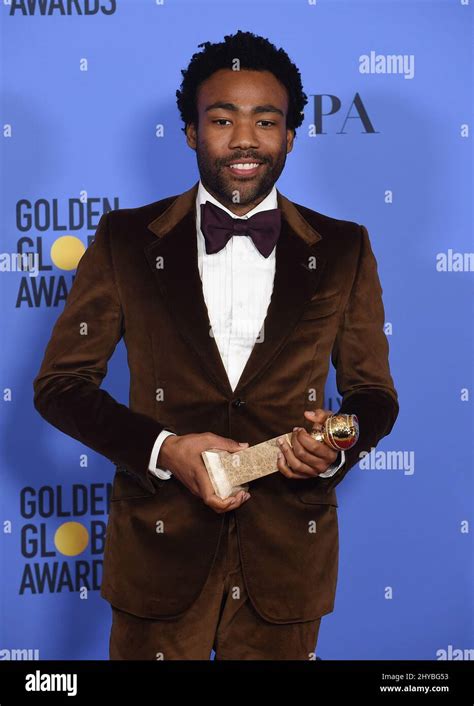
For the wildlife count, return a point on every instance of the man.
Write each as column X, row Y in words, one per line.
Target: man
column 231, row 300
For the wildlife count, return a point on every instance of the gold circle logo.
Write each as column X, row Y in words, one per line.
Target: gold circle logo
column 66, row 252
column 71, row 538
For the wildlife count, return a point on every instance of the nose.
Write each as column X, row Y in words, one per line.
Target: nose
column 243, row 137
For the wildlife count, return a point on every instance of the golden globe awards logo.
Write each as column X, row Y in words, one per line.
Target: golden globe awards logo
column 57, row 253
column 63, row 537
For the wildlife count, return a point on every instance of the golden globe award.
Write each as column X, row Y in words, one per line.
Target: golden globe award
column 230, row 472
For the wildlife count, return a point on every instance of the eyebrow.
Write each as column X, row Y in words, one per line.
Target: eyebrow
column 268, row 108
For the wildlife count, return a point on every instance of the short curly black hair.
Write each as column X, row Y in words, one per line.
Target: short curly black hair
column 253, row 52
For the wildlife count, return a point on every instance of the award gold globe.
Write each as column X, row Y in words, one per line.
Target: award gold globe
column 340, row 431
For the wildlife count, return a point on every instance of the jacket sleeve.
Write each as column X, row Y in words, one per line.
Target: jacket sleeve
column 360, row 356
column 67, row 387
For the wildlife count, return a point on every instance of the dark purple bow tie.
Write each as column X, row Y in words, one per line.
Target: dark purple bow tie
column 218, row 227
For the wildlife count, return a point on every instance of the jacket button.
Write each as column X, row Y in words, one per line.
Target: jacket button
column 238, row 402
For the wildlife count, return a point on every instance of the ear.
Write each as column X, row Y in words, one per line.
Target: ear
column 290, row 137
column 191, row 135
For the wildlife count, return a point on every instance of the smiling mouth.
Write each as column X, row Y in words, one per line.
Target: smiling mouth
column 245, row 169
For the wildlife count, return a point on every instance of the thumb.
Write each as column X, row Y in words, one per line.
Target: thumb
column 232, row 445
column 318, row 416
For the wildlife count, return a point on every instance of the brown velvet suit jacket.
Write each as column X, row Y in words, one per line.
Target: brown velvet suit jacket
column 139, row 279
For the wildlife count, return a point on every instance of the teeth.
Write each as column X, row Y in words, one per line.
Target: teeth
column 243, row 166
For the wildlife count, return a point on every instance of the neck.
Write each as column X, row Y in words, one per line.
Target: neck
column 237, row 209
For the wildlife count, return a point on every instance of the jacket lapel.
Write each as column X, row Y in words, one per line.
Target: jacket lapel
column 173, row 260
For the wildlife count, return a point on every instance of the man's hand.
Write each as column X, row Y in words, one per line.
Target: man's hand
column 306, row 458
column 182, row 456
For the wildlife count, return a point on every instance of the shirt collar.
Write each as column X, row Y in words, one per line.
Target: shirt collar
column 270, row 201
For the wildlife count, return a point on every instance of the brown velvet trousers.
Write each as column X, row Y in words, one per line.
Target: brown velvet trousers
column 222, row 619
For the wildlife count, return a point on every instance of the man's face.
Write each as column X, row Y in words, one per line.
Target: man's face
column 242, row 120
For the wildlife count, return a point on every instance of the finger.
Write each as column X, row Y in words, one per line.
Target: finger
column 207, row 492
column 208, row 495
column 206, row 489
column 239, row 499
column 235, row 501
column 304, row 442
column 296, row 465
column 308, row 451
column 283, row 467
column 225, row 444
column 315, row 454
column 294, row 462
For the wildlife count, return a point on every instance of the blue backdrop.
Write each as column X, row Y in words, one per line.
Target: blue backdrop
column 90, row 123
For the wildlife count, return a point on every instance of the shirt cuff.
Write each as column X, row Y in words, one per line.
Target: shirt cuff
column 162, row 473
column 334, row 467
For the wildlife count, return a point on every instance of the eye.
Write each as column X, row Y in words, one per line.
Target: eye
column 266, row 123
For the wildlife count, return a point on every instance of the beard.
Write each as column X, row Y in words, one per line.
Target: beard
column 217, row 178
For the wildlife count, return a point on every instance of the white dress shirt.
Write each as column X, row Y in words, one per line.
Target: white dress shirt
column 237, row 284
